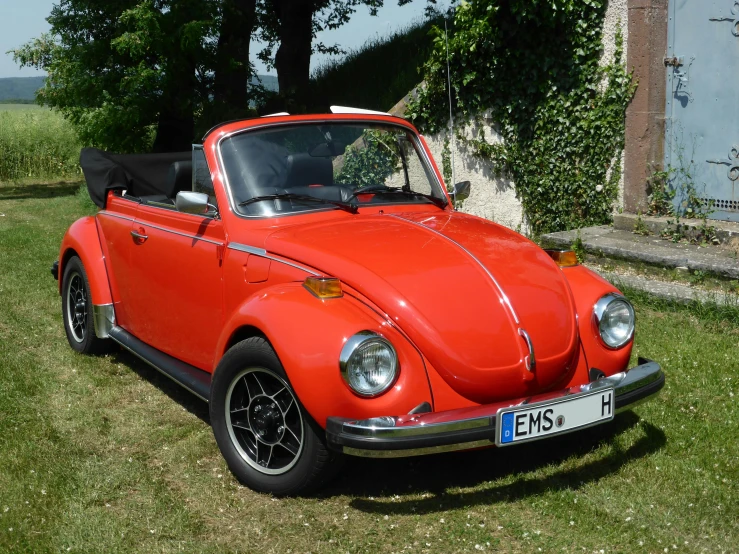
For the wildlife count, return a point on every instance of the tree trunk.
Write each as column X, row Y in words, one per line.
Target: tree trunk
column 292, row 59
column 176, row 122
column 232, row 69
column 174, row 132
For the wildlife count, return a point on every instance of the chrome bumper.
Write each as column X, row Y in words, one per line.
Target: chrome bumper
column 466, row 428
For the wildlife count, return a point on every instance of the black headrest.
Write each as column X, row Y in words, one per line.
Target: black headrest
column 179, row 178
column 304, row 170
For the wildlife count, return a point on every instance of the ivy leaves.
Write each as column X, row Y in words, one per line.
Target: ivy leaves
column 535, row 66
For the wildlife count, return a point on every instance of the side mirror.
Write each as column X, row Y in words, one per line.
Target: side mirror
column 192, row 203
column 460, row 191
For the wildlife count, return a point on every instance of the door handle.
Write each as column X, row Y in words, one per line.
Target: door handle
column 139, row 237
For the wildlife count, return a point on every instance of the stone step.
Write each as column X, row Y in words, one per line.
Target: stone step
column 607, row 242
column 725, row 232
column 674, row 292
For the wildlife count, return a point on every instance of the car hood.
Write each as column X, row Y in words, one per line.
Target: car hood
column 462, row 289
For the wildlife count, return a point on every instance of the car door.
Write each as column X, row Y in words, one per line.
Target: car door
column 115, row 223
column 176, row 270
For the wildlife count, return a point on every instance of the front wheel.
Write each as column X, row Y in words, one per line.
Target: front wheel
column 269, row 441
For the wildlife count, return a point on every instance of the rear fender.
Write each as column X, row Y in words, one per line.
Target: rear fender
column 587, row 288
column 82, row 239
column 308, row 333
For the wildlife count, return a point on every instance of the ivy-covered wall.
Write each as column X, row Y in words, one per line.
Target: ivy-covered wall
column 540, row 90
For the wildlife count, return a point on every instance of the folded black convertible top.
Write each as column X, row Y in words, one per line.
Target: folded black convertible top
column 139, row 174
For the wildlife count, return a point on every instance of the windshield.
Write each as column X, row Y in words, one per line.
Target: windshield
column 289, row 169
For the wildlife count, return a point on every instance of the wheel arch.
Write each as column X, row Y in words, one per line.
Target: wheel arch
column 307, row 335
column 82, row 239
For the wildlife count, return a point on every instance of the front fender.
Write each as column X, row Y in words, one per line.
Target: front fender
column 587, row 288
column 307, row 334
column 82, row 238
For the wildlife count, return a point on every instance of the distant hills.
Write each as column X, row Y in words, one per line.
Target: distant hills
column 24, row 88
column 19, row 88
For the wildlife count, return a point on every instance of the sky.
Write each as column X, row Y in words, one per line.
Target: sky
column 23, row 20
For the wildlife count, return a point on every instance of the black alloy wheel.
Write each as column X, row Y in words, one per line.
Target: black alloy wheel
column 77, row 310
column 270, row 442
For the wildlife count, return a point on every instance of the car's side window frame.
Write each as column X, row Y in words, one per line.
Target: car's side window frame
column 201, row 179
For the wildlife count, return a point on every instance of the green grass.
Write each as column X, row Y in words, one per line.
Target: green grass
column 36, row 143
column 104, row 455
column 20, row 106
column 377, row 75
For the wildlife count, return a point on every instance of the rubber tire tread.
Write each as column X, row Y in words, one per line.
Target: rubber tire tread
column 317, row 464
column 91, row 344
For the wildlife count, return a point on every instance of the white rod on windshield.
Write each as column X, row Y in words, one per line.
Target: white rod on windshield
column 451, row 117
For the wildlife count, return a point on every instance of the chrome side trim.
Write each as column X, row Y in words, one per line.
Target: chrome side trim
column 248, row 249
column 144, row 223
column 186, row 235
column 502, row 293
column 417, row 451
column 103, row 318
column 111, row 214
column 261, row 252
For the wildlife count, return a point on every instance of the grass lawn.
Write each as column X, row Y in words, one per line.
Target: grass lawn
column 105, row 455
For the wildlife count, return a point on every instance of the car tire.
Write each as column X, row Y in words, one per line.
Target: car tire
column 77, row 310
column 269, row 440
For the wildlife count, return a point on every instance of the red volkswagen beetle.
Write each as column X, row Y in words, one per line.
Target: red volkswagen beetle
column 309, row 277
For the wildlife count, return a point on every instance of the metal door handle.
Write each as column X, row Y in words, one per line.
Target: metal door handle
column 139, row 236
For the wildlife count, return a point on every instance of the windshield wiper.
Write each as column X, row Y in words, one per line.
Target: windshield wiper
column 382, row 189
column 351, row 208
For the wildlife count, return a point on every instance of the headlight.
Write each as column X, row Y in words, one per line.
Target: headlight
column 368, row 364
column 613, row 317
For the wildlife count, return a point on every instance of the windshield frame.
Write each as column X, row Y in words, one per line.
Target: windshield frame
column 418, row 145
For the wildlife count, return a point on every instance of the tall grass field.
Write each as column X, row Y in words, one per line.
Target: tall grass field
column 36, row 143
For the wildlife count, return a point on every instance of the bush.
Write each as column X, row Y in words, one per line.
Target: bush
column 37, row 144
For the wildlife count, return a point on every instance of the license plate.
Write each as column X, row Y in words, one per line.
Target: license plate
column 563, row 415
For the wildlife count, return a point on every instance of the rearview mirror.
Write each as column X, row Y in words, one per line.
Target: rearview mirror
column 192, row 202
column 461, row 191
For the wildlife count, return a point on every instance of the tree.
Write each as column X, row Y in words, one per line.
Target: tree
column 232, row 68
column 294, row 24
column 135, row 75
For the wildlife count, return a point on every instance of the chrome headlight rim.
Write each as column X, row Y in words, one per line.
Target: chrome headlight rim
column 351, row 346
column 600, row 309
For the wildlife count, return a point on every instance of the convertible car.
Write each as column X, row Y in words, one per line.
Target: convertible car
column 310, row 278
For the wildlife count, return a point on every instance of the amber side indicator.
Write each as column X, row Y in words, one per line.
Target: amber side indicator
column 324, row 287
column 563, row 258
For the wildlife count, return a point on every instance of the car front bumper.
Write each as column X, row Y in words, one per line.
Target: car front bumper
column 467, row 428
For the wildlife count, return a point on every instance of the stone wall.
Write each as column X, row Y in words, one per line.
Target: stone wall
column 494, row 197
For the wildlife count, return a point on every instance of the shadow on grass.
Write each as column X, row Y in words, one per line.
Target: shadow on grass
column 175, row 392
column 51, row 190
column 437, row 474
column 361, row 478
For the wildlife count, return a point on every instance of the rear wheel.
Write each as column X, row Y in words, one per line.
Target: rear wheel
column 269, row 441
column 77, row 310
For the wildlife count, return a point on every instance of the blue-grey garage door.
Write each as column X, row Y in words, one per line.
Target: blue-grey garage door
column 702, row 112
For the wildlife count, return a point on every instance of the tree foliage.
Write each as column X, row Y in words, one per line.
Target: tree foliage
column 533, row 67
column 139, row 74
column 289, row 29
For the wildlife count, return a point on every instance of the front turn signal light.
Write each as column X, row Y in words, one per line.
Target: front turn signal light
column 324, row 287
column 563, row 258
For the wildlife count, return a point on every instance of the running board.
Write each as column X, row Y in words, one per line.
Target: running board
column 191, row 378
